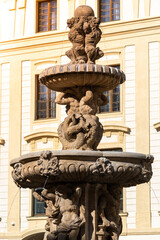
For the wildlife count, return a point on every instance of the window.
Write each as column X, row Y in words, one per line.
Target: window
column 38, row 207
column 47, row 15
column 109, row 10
column 113, row 104
column 45, row 102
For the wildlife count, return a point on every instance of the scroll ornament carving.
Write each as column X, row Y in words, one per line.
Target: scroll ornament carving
column 48, row 164
column 147, row 168
column 64, row 210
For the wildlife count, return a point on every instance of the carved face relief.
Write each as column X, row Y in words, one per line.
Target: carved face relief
column 103, row 166
column 48, row 164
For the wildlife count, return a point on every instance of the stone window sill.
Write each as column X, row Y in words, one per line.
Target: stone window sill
column 35, row 218
column 123, row 214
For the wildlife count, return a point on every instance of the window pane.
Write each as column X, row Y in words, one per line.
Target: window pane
column 105, row 1
column 109, row 10
column 42, row 114
column 106, row 7
column 39, row 207
column 113, row 98
column 53, row 15
column 121, row 201
column 46, row 106
column 47, row 15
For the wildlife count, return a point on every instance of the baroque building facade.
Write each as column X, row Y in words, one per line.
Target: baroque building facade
column 34, row 36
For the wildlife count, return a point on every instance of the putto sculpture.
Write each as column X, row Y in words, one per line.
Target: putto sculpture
column 84, row 35
column 81, row 189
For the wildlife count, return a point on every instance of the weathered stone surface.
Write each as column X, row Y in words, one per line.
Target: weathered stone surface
column 128, row 169
column 102, row 77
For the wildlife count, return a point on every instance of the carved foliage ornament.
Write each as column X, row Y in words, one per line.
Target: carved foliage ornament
column 48, row 164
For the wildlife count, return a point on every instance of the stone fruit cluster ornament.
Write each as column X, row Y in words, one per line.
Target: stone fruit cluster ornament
column 80, row 186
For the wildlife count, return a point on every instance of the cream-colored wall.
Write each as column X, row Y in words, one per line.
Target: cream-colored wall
column 20, row 16
column 154, row 75
column 130, row 92
column 4, row 130
column 132, row 44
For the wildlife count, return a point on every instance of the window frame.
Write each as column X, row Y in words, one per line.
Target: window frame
column 111, row 15
column 36, row 102
column 37, row 16
column 111, row 93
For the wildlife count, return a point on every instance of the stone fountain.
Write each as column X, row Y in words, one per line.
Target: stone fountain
column 81, row 186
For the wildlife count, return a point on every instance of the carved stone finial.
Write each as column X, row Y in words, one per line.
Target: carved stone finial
column 83, row 11
column 84, row 35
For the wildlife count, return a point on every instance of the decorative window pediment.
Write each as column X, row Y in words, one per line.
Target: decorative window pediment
column 43, row 139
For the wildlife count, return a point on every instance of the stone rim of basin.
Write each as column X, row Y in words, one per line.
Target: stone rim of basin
column 60, row 77
column 128, row 169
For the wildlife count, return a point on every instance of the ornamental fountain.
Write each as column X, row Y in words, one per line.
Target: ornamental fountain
column 80, row 185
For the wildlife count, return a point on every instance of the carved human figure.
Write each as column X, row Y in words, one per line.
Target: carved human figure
column 81, row 129
column 72, row 104
column 108, row 210
column 63, row 211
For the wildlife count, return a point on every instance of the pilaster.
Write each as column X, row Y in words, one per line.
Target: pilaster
column 142, row 132
column 14, row 144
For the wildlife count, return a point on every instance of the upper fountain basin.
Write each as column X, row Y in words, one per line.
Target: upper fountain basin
column 60, row 77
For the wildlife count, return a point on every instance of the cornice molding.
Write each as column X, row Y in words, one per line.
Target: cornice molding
column 117, row 28
column 115, row 128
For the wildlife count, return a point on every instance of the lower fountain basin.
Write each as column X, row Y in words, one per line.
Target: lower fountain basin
column 127, row 169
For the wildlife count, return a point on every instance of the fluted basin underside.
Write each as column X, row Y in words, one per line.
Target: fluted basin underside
column 60, row 77
column 126, row 169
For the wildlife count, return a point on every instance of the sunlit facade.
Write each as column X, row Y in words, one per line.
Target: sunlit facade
column 33, row 36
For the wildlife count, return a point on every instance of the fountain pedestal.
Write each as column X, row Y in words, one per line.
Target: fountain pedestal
column 81, row 189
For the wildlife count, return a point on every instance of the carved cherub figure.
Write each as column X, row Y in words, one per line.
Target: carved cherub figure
column 76, row 36
column 84, row 35
column 92, row 37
